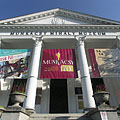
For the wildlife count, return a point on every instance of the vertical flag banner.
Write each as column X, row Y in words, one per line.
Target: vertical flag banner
column 94, row 64
column 14, row 63
column 58, row 64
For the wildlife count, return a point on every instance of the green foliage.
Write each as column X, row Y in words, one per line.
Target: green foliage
column 1, row 107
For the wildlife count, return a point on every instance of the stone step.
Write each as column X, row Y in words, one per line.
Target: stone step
column 79, row 116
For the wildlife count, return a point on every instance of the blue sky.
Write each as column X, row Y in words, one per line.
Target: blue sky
column 109, row 9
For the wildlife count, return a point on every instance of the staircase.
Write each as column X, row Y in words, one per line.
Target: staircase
column 79, row 116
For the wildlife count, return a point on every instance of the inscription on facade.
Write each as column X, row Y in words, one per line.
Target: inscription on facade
column 57, row 33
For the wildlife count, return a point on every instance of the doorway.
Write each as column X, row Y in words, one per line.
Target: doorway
column 58, row 96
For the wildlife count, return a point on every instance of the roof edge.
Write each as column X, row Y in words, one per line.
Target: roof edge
column 62, row 12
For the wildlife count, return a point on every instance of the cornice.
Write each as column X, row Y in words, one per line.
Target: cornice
column 60, row 12
column 115, row 28
column 34, row 16
column 86, row 17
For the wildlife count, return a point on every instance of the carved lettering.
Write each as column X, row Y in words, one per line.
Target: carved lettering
column 58, row 33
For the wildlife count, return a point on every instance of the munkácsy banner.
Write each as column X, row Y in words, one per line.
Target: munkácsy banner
column 14, row 63
column 58, row 64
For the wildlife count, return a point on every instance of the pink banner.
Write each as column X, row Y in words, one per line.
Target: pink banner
column 58, row 64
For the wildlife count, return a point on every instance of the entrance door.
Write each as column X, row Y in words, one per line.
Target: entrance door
column 58, row 96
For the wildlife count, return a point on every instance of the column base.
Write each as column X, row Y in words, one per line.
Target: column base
column 30, row 111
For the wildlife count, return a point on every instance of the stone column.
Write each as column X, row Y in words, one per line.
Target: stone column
column 33, row 74
column 85, row 76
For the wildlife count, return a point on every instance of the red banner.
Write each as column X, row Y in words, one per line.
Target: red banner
column 94, row 65
column 58, row 64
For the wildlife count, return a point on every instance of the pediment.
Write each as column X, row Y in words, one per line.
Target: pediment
column 55, row 20
column 59, row 16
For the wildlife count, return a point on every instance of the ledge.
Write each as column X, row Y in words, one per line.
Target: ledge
column 17, row 110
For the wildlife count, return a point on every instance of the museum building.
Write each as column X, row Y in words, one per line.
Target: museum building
column 59, row 58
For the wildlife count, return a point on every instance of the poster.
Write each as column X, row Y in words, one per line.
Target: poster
column 58, row 64
column 14, row 63
column 106, row 62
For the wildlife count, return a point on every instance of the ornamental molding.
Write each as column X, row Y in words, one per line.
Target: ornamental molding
column 60, row 12
column 28, row 27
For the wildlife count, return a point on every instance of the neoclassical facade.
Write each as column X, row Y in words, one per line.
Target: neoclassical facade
column 61, row 29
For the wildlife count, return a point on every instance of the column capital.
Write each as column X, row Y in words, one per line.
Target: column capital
column 37, row 40
column 118, row 37
column 80, row 40
column 118, row 41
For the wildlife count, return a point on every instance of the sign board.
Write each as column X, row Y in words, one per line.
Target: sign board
column 103, row 116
